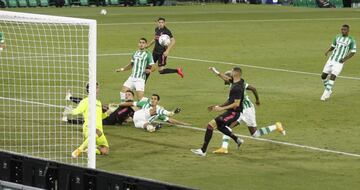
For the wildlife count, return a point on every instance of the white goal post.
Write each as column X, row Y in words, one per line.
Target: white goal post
column 41, row 57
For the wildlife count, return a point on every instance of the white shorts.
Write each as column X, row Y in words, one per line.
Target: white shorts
column 333, row 67
column 140, row 118
column 248, row 116
column 137, row 84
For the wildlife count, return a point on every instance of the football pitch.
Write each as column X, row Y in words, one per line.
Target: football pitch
column 281, row 51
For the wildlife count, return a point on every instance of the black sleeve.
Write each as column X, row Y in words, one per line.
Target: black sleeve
column 169, row 33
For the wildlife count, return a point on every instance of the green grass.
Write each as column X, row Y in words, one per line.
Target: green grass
column 288, row 97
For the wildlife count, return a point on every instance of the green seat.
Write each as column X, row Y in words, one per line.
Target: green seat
column 44, row 3
column 113, row 2
column 11, row 3
column 84, row 2
column 142, row 2
column 22, row 3
column 337, row 3
column 311, row 3
column 32, row 3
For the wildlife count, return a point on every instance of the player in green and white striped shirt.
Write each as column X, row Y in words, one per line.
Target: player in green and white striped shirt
column 247, row 116
column 141, row 64
column 343, row 48
column 2, row 41
column 150, row 112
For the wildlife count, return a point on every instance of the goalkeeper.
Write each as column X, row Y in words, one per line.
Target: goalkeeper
column 102, row 145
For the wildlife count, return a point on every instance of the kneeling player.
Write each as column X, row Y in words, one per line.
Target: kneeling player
column 248, row 115
column 102, row 145
column 117, row 116
column 232, row 107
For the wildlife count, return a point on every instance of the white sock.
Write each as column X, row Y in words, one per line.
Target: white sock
column 330, row 85
column 122, row 97
column 226, row 139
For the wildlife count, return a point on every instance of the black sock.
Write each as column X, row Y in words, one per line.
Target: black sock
column 75, row 99
column 227, row 132
column 168, row 71
column 207, row 138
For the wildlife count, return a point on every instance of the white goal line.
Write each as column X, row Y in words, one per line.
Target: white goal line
column 237, row 64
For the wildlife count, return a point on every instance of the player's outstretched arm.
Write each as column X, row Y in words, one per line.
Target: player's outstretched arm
column 233, row 105
column 329, row 50
column 151, row 43
column 254, row 91
column 170, row 46
column 128, row 67
column 221, row 75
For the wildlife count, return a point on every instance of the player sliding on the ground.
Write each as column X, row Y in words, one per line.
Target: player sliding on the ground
column 247, row 116
column 343, row 47
column 151, row 112
column 160, row 52
column 232, row 107
column 141, row 63
column 118, row 114
column 102, row 145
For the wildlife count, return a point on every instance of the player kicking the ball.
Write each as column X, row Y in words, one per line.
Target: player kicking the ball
column 343, row 48
column 102, row 145
column 232, row 107
column 247, row 116
column 141, row 64
column 160, row 53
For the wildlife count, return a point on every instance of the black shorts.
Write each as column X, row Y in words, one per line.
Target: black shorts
column 227, row 118
column 160, row 59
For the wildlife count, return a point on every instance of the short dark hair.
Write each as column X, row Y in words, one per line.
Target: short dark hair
column 143, row 39
column 157, row 96
column 346, row 26
column 161, row 18
column 237, row 69
column 87, row 86
column 131, row 92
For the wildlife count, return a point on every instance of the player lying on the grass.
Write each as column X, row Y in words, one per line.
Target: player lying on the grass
column 247, row 116
column 150, row 112
column 117, row 115
column 232, row 107
column 102, row 145
column 141, row 63
column 160, row 52
column 343, row 47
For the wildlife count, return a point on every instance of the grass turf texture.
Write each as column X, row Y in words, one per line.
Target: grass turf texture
column 288, row 97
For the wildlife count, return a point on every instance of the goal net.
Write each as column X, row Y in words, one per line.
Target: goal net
column 41, row 57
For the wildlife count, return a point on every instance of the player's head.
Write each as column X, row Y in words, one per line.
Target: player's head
column 142, row 43
column 236, row 72
column 129, row 95
column 154, row 99
column 345, row 29
column 97, row 88
column 161, row 22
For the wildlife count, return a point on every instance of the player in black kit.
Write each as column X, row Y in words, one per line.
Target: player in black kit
column 232, row 107
column 160, row 53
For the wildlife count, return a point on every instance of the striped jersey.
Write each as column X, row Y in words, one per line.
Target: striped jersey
column 2, row 38
column 140, row 60
column 343, row 45
column 161, row 113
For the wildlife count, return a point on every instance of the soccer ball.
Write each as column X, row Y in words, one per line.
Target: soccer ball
column 150, row 128
column 164, row 40
column 103, row 12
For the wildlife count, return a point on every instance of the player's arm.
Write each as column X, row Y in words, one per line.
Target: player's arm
column 233, row 105
column 254, row 91
column 169, row 47
column 332, row 47
column 221, row 75
column 150, row 64
column 78, row 110
column 352, row 48
column 128, row 67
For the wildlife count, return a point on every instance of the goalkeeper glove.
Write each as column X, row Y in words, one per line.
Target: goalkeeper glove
column 68, row 110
